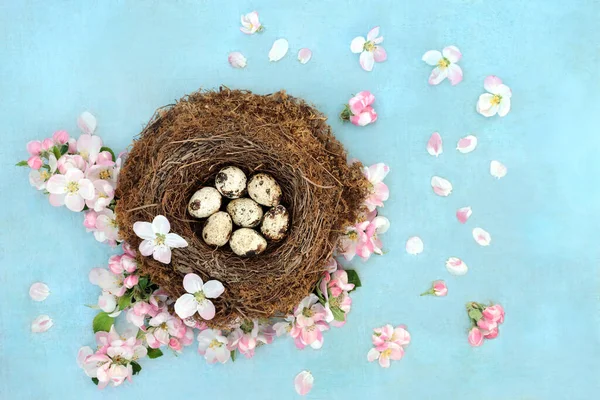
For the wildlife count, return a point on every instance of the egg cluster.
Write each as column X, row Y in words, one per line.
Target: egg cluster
column 243, row 217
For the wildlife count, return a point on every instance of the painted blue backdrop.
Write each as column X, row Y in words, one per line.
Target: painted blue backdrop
column 123, row 59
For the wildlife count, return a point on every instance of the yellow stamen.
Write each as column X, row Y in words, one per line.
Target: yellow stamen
column 72, row 187
column 443, row 63
column 369, row 46
column 105, row 174
column 496, row 100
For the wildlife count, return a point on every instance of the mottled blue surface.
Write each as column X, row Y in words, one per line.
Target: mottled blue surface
column 123, row 59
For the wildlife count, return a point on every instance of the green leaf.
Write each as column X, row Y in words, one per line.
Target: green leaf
column 112, row 153
column 63, row 149
column 233, row 353
column 22, row 164
column 56, row 152
column 154, row 353
column 353, row 278
column 95, row 380
column 102, row 322
column 142, row 283
column 136, row 367
column 475, row 314
column 125, row 301
column 338, row 314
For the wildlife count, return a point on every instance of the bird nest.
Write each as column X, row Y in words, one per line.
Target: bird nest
column 182, row 149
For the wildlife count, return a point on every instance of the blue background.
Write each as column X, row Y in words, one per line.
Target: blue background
column 123, row 59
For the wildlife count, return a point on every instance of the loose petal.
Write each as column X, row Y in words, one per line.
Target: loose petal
column 41, row 324
column 467, row 144
column 463, row 214
column 303, row 382
column 414, row 245
column 304, row 55
column 482, row 237
column 434, row 145
column 497, row 169
column 441, row 186
column 279, row 50
column 237, row 60
column 87, row 123
column 456, row 266
column 39, row 291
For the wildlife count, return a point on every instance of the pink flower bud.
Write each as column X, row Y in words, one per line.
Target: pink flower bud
column 35, row 162
column 131, row 281
column 104, row 157
column 47, row 144
column 60, row 137
column 486, row 324
column 439, row 288
column 128, row 263
column 34, row 147
column 114, row 264
column 494, row 313
column 475, row 337
column 89, row 220
column 128, row 249
column 175, row 344
column 72, row 146
column 491, row 334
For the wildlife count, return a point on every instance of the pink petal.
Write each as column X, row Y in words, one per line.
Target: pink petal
column 467, row 144
column 414, row 245
column 441, row 186
column 455, row 74
column 237, row 60
column 475, row 337
column 278, row 50
column 452, row 53
column 87, row 123
column 497, row 169
column 41, row 324
column 463, row 214
column 304, row 55
column 367, row 60
column 303, row 382
column 373, row 34
column 432, row 57
column 491, row 83
column 482, row 237
column 438, row 75
column 456, row 266
column 434, row 145
column 379, row 54
column 39, row 291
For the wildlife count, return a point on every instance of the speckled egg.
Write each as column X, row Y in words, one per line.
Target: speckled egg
column 217, row 230
column 264, row 189
column 246, row 242
column 231, row 182
column 205, row 202
column 275, row 223
column 245, row 212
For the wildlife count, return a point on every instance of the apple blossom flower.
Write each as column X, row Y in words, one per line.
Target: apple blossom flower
column 303, row 383
column 310, row 318
column 41, row 324
column 475, row 337
column 377, row 226
column 484, row 322
column 88, row 147
column 249, row 335
column 107, row 229
column 355, row 242
column 369, row 49
column 251, row 24
column 68, row 161
column 105, row 170
column 34, row 147
column 71, row 189
column 89, row 220
column 379, row 191
column 438, row 288
column 385, row 353
column 39, row 291
column 157, row 239
column 389, row 344
column 197, row 297
column 39, row 177
column 359, row 110
column 108, row 303
column 104, row 194
column 285, row 326
column 494, row 313
column 35, row 162
column 60, row 137
column 131, row 280
column 445, row 65
column 213, row 346
column 497, row 101
column 162, row 328
column 107, row 281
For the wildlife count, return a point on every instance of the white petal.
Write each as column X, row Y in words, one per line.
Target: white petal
column 482, row 237
column 144, row 230
column 382, row 224
column 414, row 245
column 39, row 291
column 372, row 355
column 456, row 266
column 441, row 186
column 87, row 123
column 206, row 309
column 192, row 283
column 278, row 50
column 162, row 254
column 160, row 224
column 367, row 60
column 146, row 247
column 304, row 55
column 504, row 107
column 107, row 302
column 432, row 57
column 357, row 45
column 303, row 382
column 463, row 214
column 237, row 60
column 213, row 289
column 467, row 144
column 41, row 324
column 452, row 53
column 373, row 33
column 497, row 169
column 434, row 145
column 175, row 241
column 186, row 306
column 74, row 202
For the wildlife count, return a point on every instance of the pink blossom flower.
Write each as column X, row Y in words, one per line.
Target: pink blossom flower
column 249, row 335
column 355, row 242
column 39, row 177
column 130, row 281
column 389, row 344
column 251, row 24
column 60, row 137
column 359, row 110
column 35, row 162
column 494, row 313
column 369, row 49
column 71, row 189
column 475, row 337
column 69, row 161
column 157, row 239
column 89, row 220
column 377, row 226
column 445, row 65
column 88, row 147
column 310, row 320
column 285, row 326
column 213, row 346
column 47, row 144
column 162, row 327
column 497, row 101
column 107, row 229
column 105, row 170
column 34, row 147
column 197, row 297
column 491, row 334
column 438, row 288
column 379, row 191
column 108, row 281
column 104, row 194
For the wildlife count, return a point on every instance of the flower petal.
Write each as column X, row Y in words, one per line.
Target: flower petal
column 373, row 34
column 367, row 60
column 192, row 283
column 147, row 246
column 173, row 240
column 466, row 144
column 438, row 75
column 382, row 224
column 491, row 83
column 441, row 186
column 379, row 54
column 357, row 45
column 87, row 123
column 162, row 254
column 206, row 309
column 41, row 324
column 434, row 145
column 74, row 202
column 160, row 224
column 213, row 289
column 237, row 59
column 144, row 230
column 303, row 383
column 485, row 106
column 414, row 245
column 497, row 169
column 304, row 55
column 456, row 266
column 504, row 107
column 39, row 291
column 86, row 189
column 278, row 50
column 57, row 184
column 432, row 57
column 372, row 355
column 463, row 214
column 482, row 237
column 455, row 74
column 503, row 91
column 452, row 53
column 186, row 306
